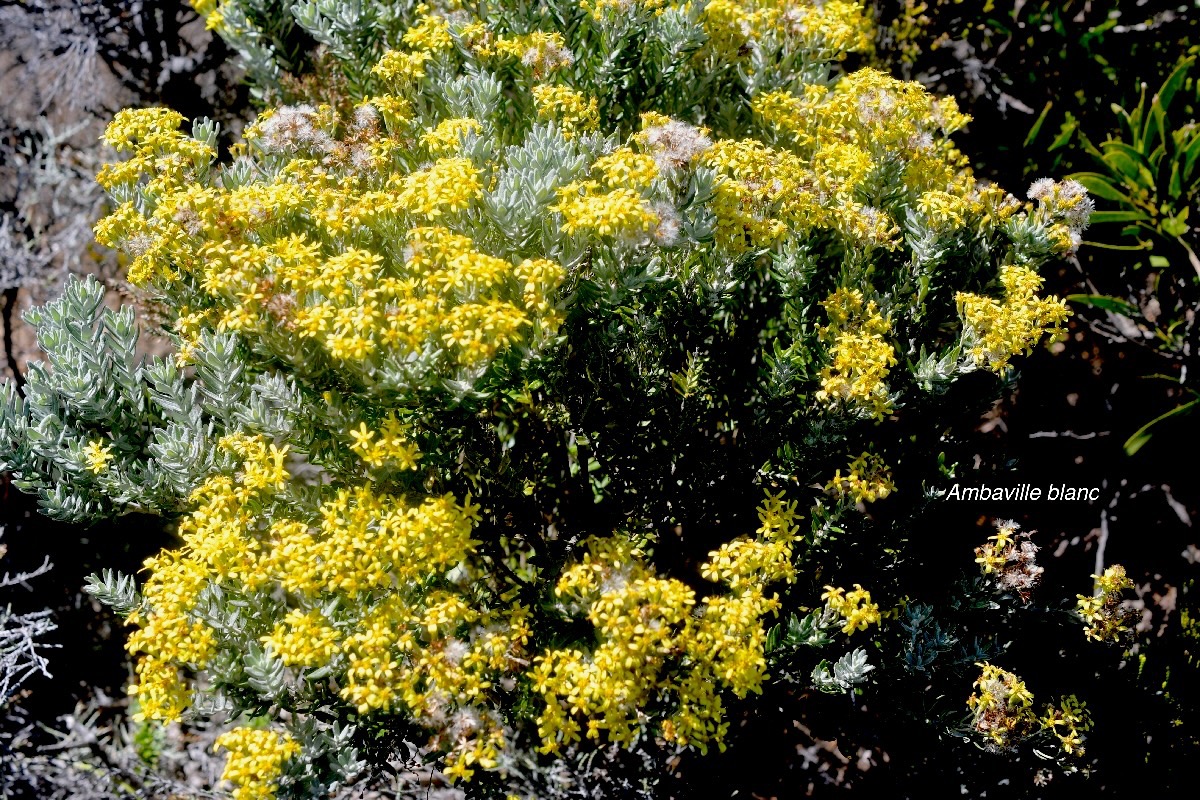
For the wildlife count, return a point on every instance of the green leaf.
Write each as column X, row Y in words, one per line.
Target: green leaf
column 1176, row 226
column 1099, row 186
column 1144, row 433
column 1037, row 125
column 1123, row 159
column 1156, row 123
column 1191, row 153
column 117, row 591
column 1104, row 303
column 1102, row 217
column 1174, row 81
column 1068, row 129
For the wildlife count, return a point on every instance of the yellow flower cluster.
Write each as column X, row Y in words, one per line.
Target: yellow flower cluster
column 170, row 160
column 262, row 276
column 843, row 134
column 840, row 136
column 1065, row 208
column 304, row 639
column 543, row 52
column 860, row 355
column 620, row 213
column 1068, row 721
column 571, row 110
column 867, row 479
column 430, row 33
column 1010, row 558
column 993, row 556
column 759, row 196
column 1103, row 617
column 625, row 168
column 98, row 455
column 403, row 636
column 764, row 559
column 996, row 330
column 392, row 446
column 447, row 136
column 1001, row 706
column 854, row 607
column 449, row 186
column 821, row 30
column 437, row 659
column 401, row 69
column 655, row 639
column 604, row 10
column 1002, row 710
column 256, row 759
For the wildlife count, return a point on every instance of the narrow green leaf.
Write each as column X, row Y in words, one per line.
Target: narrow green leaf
column 1174, row 81
column 1102, row 217
column 1037, row 125
column 1191, row 153
column 1144, row 433
column 1128, row 168
column 1068, row 129
column 1100, row 186
column 1104, row 303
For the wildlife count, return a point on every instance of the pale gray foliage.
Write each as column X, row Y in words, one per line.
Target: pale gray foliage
column 845, row 673
column 66, row 66
column 21, row 635
column 93, row 757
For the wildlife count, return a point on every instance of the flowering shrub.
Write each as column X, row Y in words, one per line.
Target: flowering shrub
column 515, row 388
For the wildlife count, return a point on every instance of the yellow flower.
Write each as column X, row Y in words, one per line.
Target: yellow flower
column 625, row 168
column 98, row 456
column 447, row 136
column 1000, row 706
column 867, row 479
column 429, row 34
column 995, row 331
column 256, row 759
column 449, row 186
column 645, row 623
column 543, row 52
column 403, row 69
column 569, row 108
column 854, row 607
column 620, row 213
column 1104, row 619
column 860, row 357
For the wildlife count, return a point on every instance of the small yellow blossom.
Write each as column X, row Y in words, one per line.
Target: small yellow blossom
column 621, row 213
column 403, row 69
column 429, row 34
column 449, row 186
column 543, row 52
column 625, row 168
column 854, row 607
column 995, row 331
column 1000, row 706
column 447, row 137
column 98, row 456
column 867, row 479
column 861, row 356
column 573, row 111
column 1010, row 559
column 1104, row 619
column 256, row 759
column 1068, row 721
column 304, row 639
